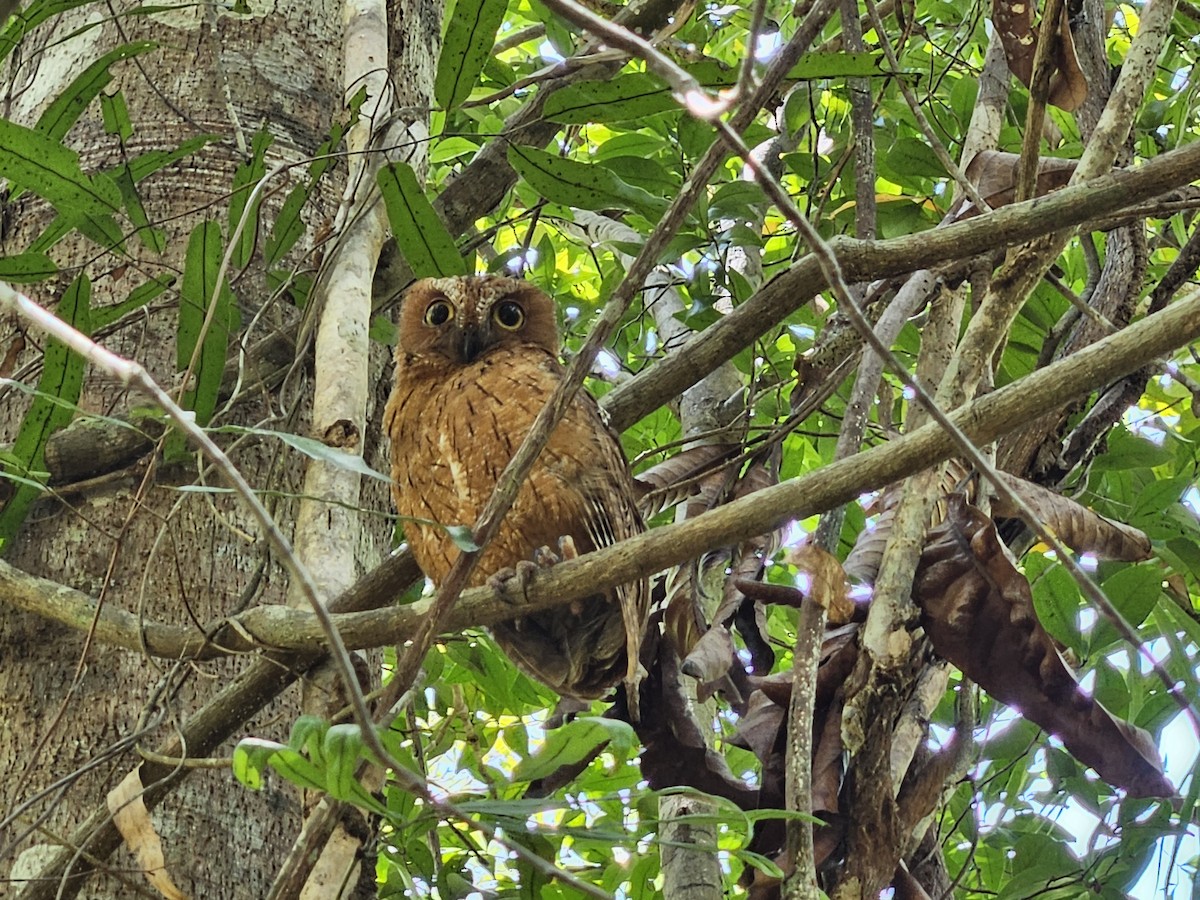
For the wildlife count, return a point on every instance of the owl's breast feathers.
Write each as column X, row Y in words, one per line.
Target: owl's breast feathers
column 453, row 430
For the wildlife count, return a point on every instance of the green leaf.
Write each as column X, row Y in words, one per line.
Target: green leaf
column 639, row 95
column 636, row 95
column 31, row 160
column 451, row 148
column 470, row 35
column 383, row 330
column 148, row 163
column 136, row 299
column 575, row 741
column 25, row 20
column 116, row 115
column 288, row 226
column 196, row 294
column 578, row 184
column 251, row 757
column 343, row 746
column 52, row 409
column 463, row 538
column 1134, row 591
column 908, row 158
column 420, row 234
column 66, row 108
column 245, row 179
column 311, row 448
column 26, row 267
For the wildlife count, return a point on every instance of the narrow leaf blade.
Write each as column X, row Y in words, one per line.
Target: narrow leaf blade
column 419, row 231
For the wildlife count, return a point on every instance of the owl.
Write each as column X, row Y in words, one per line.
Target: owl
column 477, row 360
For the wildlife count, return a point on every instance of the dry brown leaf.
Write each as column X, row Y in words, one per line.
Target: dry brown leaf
column 132, row 819
column 1078, row 527
column 1068, row 86
column 683, row 475
column 828, row 581
column 1014, row 24
column 758, row 730
column 978, row 611
column 994, row 175
column 712, row 656
column 1018, row 34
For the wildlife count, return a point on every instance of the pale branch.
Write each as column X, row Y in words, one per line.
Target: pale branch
column 862, row 260
column 1137, row 72
column 327, row 526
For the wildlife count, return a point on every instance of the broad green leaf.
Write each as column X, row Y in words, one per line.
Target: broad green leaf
column 1134, row 591
column 136, row 299
column 251, row 757
column 196, row 294
column 639, row 95
column 31, row 160
column 153, row 238
column 343, row 750
column 66, row 108
column 154, row 160
column 26, row 267
column 452, row 148
column 245, row 179
column 422, row 237
column 470, row 34
column 636, row 95
column 578, row 184
column 25, row 20
column 52, row 409
column 574, row 742
column 908, row 158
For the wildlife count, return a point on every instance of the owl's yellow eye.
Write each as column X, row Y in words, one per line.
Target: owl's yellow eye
column 509, row 315
column 439, row 312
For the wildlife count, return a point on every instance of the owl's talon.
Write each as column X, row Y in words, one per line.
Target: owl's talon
column 512, row 584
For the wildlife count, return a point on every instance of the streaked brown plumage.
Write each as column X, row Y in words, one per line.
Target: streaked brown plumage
column 476, row 361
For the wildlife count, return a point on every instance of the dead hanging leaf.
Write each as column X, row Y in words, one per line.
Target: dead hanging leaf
column 758, row 730
column 1014, row 23
column 994, row 175
column 978, row 611
column 132, row 819
column 712, row 656
column 1068, row 86
column 683, row 475
column 828, row 581
column 1081, row 529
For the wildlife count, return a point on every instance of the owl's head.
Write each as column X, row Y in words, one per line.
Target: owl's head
column 460, row 318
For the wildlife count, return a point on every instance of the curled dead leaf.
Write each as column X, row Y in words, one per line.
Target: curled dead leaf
column 1078, row 527
column 132, row 819
column 978, row 611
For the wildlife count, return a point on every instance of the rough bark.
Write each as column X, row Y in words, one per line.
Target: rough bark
column 144, row 548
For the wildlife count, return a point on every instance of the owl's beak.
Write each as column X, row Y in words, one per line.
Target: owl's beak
column 471, row 341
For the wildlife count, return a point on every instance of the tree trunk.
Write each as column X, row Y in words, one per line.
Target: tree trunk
column 130, row 536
